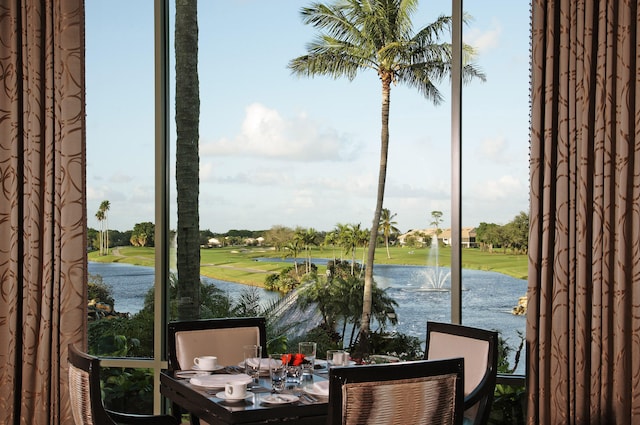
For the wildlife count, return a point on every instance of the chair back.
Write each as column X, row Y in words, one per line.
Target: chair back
column 479, row 347
column 84, row 389
column 420, row 392
column 223, row 338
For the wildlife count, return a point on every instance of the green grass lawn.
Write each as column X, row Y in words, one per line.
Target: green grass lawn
column 238, row 264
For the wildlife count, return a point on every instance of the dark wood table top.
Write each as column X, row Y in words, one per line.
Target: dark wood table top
column 204, row 403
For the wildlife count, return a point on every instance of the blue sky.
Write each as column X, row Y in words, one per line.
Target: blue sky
column 280, row 150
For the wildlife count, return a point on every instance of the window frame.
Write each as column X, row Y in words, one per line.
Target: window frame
column 162, row 190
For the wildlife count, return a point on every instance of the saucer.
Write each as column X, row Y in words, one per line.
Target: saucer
column 196, row 367
column 223, row 396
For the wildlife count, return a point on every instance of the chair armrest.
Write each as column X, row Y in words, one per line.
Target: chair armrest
column 122, row 418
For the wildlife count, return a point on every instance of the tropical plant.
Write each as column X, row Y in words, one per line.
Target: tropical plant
column 102, row 217
column 187, row 158
column 292, row 249
column 387, row 227
column 307, row 237
column 98, row 290
column 330, row 239
column 143, row 234
column 436, row 219
column 377, row 35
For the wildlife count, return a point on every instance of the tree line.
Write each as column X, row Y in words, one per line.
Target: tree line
column 514, row 235
column 343, row 239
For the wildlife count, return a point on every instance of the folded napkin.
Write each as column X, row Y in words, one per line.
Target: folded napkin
column 218, row 381
column 321, row 388
column 264, row 363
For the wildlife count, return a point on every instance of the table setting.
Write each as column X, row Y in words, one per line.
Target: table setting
column 277, row 380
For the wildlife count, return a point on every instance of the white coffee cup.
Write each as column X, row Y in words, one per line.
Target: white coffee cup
column 235, row 390
column 206, row 362
column 337, row 358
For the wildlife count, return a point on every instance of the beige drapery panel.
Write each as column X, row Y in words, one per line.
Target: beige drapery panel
column 42, row 206
column 583, row 323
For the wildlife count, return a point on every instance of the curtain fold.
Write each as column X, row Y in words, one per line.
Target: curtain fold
column 42, row 206
column 583, row 323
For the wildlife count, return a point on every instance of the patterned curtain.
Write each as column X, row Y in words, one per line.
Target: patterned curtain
column 42, row 206
column 583, row 323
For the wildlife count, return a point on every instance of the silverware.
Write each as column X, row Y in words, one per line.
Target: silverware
column 309, row 397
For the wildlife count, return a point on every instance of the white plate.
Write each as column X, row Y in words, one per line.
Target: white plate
column 223, row 396
column 218, row 381
column 189, row 373
column 196, row 367
column 280, row 398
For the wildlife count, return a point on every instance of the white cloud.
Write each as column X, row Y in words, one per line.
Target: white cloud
column 506, row 187
column 495, row 149
column 484, row 40
column 206, row 171
column 120, row 178
column 303, row 199
column 265, row 133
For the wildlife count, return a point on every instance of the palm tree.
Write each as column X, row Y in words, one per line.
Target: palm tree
column 387, row 226
column 362, row 238
column 330, row 239
column 292, row 248
column 436, row 219
column 104, row 208
column 343, row 235
column 100, row 217
column 307, row 238
column 348, row 237
column 377, row 35
column 187, row 159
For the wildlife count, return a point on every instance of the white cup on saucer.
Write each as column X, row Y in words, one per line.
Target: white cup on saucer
column 206, row 362
column 234, row 390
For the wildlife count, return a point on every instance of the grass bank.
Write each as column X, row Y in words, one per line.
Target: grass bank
column 241, row 265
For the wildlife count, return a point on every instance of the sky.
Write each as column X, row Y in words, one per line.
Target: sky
column 276, row 149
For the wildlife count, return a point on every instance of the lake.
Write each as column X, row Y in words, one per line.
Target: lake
column 487, row 297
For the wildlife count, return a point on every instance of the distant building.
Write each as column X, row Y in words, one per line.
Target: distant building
column 424, row 236
column 467, row 236
column 214, row 243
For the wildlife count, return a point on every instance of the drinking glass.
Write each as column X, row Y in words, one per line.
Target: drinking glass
column 278, row 372
column 252, row 356
column 308, row 349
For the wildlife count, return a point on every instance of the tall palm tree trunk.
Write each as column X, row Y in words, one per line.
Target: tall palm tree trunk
column 382, row 177
column 187, row 158
column 386, row 243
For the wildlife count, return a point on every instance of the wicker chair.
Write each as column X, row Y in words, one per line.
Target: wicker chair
column 223, row 338
column 479, row 347
column 85, row 396
column 420, row 392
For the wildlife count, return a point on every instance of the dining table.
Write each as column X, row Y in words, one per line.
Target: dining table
column 257, row 408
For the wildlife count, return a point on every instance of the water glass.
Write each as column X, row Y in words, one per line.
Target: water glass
column 278, row 372
column 252, row 360
column 308, row 349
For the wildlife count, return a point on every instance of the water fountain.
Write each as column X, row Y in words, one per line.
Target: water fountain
column 435, row 277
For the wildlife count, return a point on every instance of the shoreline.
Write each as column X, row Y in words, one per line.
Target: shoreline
column 250, row 266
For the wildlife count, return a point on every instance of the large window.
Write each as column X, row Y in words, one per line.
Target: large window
column 297, row 152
